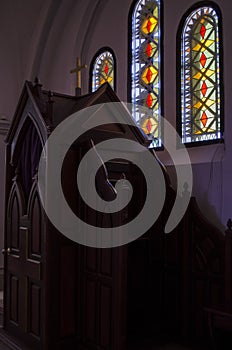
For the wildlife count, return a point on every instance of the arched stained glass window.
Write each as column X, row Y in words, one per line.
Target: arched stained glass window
column 103, row 69
column 201, row 93
column 145, row 67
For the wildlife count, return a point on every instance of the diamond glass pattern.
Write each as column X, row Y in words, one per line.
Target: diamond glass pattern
column 200, row 77
column 145, row 67
column 103, row 70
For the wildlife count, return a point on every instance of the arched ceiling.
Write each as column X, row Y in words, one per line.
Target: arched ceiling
column 32, row 34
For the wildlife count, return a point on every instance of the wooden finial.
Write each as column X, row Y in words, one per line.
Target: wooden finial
column 37, row 82
column 50, row 102
column 50, row 97
column 37, row 86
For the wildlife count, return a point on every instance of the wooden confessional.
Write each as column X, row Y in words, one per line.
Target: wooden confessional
column 59, row 294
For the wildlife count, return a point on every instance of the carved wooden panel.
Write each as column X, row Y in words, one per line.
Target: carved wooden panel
column 202, row 271
column 171, row 300
column 14, row 298
column 106, row 262
column 91, row 259
column 199, row 301
column 34, row 309
column 15, row 224
column 36, row 222
column 68, row 292
column 28, row 155
column 141, row 288
column 91, row 311
column 98, row 297
column 105, row 316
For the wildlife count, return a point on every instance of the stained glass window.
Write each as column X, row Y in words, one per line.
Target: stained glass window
column 103, row 70
column 200, row 77
column 145, row 68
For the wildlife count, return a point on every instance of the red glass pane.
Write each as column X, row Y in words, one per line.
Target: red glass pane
column 149, row 24
column 149, row 126
column 204, row 88
column 106, row 69
column 202, row 31
column 204, row 118
column 203, row 59
column 149, row 50
column 149, row 75
column 149, row 100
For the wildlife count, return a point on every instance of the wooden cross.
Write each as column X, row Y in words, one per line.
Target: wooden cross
column 77, row 70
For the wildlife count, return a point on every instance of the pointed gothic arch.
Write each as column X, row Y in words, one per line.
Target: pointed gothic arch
column 27, row 154
column 200, row 75
column 103, row 69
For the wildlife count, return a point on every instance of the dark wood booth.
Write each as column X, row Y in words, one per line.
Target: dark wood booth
column 59, row 294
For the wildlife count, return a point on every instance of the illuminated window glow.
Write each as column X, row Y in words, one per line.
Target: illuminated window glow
column 200, row 77
column 145, row 68
column 103, row 70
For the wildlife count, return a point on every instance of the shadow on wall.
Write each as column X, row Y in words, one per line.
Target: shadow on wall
column 210, row 212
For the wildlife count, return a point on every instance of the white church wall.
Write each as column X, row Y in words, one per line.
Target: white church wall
column 212, row 163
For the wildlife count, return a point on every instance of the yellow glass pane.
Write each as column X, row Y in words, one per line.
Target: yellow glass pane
column 207, row 103
column 149, row 25
column 149, row 75
column 203, row 130
column 197, row 76
column 149, row 126
column 102, row 81
column 108, row 79
column 207, row 74
column 156, row 12
column 201, row 48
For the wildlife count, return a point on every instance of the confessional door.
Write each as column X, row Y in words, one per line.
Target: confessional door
column 103, row 277
column 23, row 262
column 104, row 298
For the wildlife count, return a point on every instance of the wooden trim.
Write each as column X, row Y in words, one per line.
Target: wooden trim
column 4, row 126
